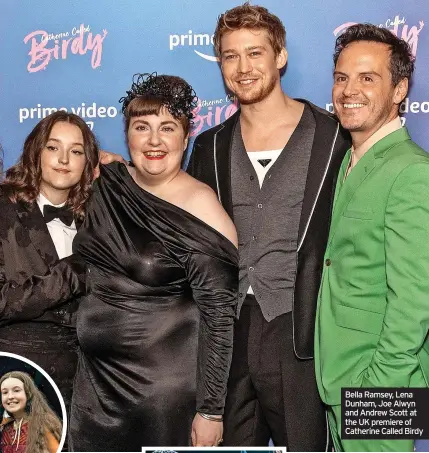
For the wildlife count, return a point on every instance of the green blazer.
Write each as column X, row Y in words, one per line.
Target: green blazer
column 372, row 318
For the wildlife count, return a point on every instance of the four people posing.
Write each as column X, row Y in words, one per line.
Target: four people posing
column 163, row 276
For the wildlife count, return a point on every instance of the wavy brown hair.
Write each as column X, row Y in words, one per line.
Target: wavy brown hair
column 22, row 181
column 252, row 17
column 41, row 417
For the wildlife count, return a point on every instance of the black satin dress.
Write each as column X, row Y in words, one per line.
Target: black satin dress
column 156, row 327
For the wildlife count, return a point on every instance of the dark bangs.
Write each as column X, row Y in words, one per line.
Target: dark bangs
column 144, row 105
column 150, row 105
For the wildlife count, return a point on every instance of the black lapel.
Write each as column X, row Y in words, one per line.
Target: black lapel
column 222, row 149
column 32, row 219
column 78, row 222
column 321, row 155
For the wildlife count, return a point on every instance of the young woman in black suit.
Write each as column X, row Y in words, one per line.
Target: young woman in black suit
column 42, row 204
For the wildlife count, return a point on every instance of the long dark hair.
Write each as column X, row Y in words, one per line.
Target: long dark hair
column 41, row 417
column 22, row 181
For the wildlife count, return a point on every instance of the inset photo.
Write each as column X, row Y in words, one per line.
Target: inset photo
column 271, row 449
column 33, row 411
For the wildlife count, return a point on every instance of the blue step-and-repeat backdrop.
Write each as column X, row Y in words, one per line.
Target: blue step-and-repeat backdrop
column 80, row 56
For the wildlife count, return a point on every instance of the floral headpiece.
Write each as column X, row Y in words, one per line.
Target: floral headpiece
column 176, row 94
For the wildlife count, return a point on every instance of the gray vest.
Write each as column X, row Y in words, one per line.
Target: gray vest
column 267, row 218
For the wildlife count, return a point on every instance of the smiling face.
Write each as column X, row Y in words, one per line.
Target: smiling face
column 156, row 144
column 62, row 161
column 363, row 94
column 249, row 65
column 13, row 397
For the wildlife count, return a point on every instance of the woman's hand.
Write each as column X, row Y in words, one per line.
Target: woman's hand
column 106, row 157
column 206, row 433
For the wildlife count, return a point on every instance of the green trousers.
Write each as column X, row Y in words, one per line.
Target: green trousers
column 377, row 445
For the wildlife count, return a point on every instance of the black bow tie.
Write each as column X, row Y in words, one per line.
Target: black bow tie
column 63, row 213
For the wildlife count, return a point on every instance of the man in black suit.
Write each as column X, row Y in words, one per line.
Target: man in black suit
column 273, row 166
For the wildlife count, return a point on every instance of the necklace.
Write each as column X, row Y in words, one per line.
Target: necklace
column 17, row 427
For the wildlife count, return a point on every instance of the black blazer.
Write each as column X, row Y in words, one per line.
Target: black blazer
column 211, row 163
column 34, row 283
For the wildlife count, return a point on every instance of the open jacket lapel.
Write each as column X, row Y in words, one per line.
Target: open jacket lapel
column 32, row 219
column 345, row 190
column 322, row 153
column 222, row 157
column 78, row 222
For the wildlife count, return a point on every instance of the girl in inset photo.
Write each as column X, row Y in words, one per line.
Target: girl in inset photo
column 31, row 425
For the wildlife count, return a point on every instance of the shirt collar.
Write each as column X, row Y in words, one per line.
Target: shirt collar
column 42, row 201
column 384, row 131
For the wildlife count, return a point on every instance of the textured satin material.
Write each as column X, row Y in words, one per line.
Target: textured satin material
column 161, row 292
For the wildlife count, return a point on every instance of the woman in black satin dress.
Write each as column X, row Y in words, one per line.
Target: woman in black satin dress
column 156, row 327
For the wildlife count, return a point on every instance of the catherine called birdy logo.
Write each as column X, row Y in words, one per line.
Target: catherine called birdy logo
column 46, row 46
column 211, row 112
column 398, row 26
column 191, row 39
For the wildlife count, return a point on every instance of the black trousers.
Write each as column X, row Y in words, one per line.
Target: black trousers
column 271, row 393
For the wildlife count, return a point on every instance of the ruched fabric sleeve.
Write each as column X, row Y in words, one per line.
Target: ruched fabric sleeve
column 214, row 283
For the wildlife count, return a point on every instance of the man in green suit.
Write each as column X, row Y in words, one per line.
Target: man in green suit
column 373, row 309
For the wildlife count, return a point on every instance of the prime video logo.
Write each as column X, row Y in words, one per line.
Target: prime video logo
column 192, row 39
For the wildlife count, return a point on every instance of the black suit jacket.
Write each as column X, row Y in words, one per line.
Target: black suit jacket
column 34, row 283
column 211, row 163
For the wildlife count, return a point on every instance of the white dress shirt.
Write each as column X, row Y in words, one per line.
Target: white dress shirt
column 261, row 171
column 62, row 235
